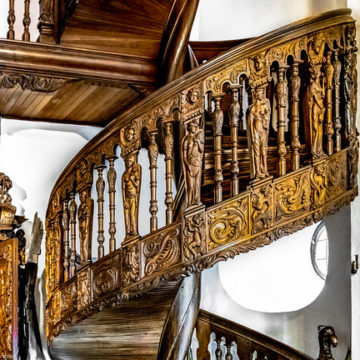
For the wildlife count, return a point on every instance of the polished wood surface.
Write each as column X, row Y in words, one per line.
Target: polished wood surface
column 132, row 330
column 275, row 199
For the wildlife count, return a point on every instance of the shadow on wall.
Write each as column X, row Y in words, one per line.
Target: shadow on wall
column 298, row 329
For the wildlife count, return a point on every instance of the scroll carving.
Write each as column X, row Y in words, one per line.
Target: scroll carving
column 194, row 241
column 318, row 182
column 130, row 265
column 292, row 196
column 261, row 203
column 105, row 277
column 193, row 146
column 31, row 82
column 131, row 183
column 162, row 251
column 228, row 223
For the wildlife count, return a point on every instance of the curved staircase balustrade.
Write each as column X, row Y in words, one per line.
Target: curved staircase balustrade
column 300, row 185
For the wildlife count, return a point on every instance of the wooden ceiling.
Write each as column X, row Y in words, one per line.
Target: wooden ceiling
column 131, row 27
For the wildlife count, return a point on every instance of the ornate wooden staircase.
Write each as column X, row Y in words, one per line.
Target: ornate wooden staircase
column 260, row 142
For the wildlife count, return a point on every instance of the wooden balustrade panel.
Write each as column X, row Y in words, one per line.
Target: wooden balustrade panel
column 287, row 178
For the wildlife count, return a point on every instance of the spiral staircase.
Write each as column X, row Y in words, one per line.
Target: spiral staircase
column 257, row 143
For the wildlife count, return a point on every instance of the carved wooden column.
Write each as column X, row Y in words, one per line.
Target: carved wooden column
column 72, row 211
column 281, row 97
column 111, row 177
column 169, row 156
column 11, row 20
column 295, row 83
column 234, row 114
column 329, row 128
column 100, row 186
column 131, row 185
column 218, row 121
column 65, row 218
column 26, row 21
column 337, row 117
column 153, row 152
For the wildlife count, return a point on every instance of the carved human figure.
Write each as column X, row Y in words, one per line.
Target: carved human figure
column 258, row 120
column 193, row 152
column 349, row 96
column 131, row 182
column 316, row 110
column 84, row 223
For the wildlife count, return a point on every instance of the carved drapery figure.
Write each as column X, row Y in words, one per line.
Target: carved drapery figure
column 131, row 183
column 258, row 121
column 327, row 339
column 85, row 225
column 193, row 152
column 316, row 110
column 349, row 96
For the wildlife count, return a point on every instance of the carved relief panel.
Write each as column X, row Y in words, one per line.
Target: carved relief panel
column 162, row 250
column 105, row 276
column 68, row 298
column 292, row 196
column 228, row 223
column 337, row 175
column 8, row 298
column 318, row 182
column 130, row 264
column 84, row 288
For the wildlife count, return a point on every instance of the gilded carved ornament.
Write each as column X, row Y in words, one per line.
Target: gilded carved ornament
column 194, row 239
column 105, row 277
column 130, row 264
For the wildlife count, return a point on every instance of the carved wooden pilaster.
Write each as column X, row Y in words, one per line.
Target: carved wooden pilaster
column 295, row 83
column 153, row 152
column 26, row 21
column 72, row 211
column 100, row 186
column 329, row 128
column 218, row 121
column 11, row 20
column 65, row 218
column 281, row 97
column 131, row 185
column 337, row 117
column 169, row 156
column 234, row 115
column 111, row 177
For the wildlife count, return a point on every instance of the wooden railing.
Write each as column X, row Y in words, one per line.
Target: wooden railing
column 270, row 100
column 219, row 338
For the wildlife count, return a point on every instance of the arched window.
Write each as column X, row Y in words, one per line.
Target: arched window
column 320, row 251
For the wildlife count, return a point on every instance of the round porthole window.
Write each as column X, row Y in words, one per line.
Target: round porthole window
column 320, row 251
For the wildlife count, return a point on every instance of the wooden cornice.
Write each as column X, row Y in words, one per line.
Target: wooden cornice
column 68, row 63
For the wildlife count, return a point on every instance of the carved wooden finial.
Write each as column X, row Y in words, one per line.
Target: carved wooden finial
column 7, row 210
column 327, row 339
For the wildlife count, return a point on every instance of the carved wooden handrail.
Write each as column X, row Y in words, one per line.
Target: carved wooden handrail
column 281, row 178
column 231, row 338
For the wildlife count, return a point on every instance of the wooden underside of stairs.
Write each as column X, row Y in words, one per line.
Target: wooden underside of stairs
column 130, row 331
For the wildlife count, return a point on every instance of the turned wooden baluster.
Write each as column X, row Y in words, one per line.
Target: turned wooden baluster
column 337, row 74
column 153, row 152
column 241, row 115
column 295, row 83
column 234, row 114
column 66, row 239
column 169, row 156
column 329, row 128
column 26, row 21
column 111, row 176
column 281, row 97
column 72, row 210
column 218, row 121
column 100, row 186
column 11, row 20
column 218, row 351
column 228, row 355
